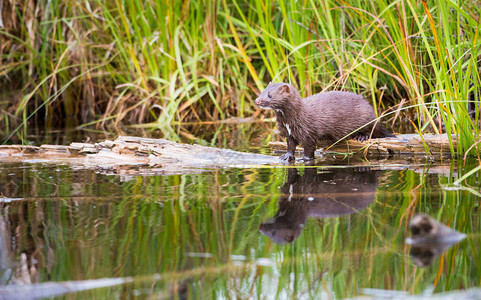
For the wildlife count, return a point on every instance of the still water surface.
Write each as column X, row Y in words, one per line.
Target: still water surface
column 267, row 233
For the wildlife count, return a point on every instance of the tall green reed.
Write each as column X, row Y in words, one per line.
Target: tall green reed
column 169, row 62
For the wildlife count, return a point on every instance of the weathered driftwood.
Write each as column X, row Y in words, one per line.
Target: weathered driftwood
column 157, row 155
column 143, row 156
column 434, row 146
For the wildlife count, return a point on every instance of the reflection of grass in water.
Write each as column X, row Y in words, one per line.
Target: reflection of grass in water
column 157, row 221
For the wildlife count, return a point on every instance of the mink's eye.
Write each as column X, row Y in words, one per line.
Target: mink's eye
column 269, row 95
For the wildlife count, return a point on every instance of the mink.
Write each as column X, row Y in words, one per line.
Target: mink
column 328, row 116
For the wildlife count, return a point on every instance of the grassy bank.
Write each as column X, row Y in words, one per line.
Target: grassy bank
column 70, row 63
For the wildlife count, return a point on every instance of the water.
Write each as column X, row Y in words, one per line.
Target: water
column 306, row 232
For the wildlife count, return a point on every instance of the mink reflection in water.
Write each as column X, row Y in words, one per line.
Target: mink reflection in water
column 321, row 194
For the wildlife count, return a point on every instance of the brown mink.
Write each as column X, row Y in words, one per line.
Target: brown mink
column 324, row 116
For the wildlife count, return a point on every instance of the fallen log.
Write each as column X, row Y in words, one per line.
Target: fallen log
column 430, row 146
column 144, row 156
column 159, row 156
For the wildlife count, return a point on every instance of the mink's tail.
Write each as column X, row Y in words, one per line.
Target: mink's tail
column 381, row 132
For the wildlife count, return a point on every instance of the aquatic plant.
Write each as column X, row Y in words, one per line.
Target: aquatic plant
column 70, row 63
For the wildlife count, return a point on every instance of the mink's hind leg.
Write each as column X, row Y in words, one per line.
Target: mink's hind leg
column 378, row 132
column 309, row 150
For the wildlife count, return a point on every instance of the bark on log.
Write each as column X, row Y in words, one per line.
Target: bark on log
column 432, row 146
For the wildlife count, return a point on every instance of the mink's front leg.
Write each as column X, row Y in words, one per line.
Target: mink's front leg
column 291, row 149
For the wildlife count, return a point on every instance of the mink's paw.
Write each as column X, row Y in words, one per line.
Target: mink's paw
column 361, row 138
column 305, row 158
column 287, row 157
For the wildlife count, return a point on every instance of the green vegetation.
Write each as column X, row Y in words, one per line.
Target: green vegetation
column 124, row 62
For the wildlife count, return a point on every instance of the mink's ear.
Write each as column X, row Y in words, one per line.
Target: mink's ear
column 284, row 89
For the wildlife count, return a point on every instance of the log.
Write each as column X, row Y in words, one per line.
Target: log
column 158, row 156
column 129, row 155
column 435, row 147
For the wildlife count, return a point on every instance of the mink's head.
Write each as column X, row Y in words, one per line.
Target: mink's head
column 277, row 96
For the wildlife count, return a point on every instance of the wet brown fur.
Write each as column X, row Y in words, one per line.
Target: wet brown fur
column 324, row 116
